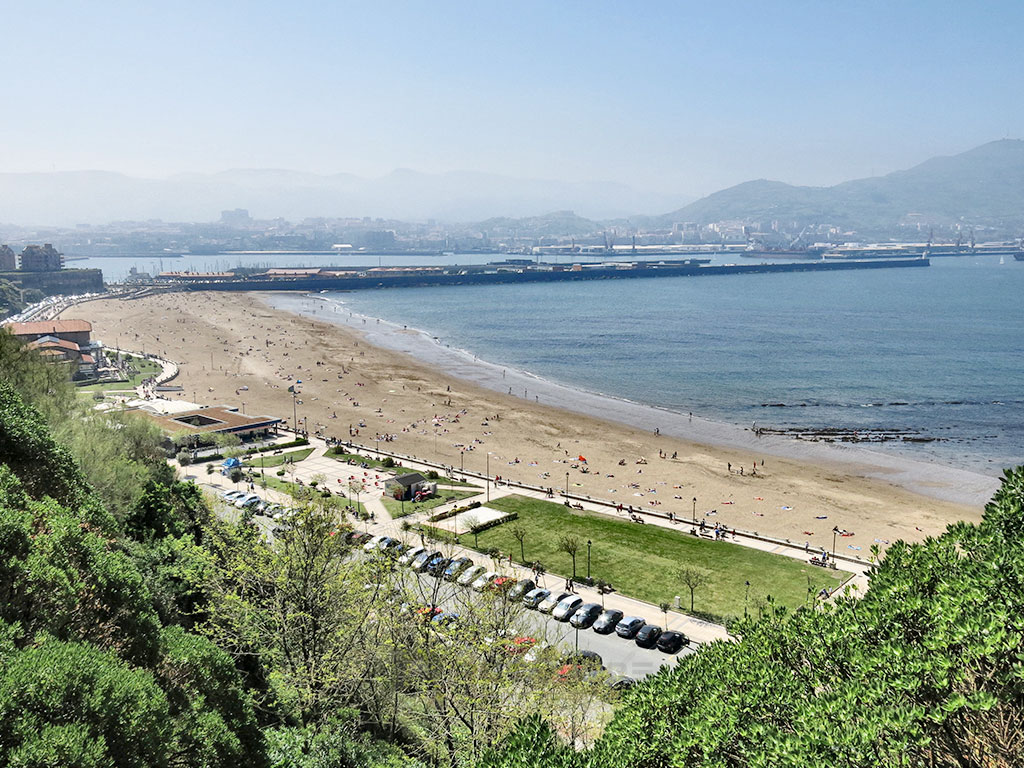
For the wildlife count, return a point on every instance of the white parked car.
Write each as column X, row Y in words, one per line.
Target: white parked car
column 470, row 575
column 247, row 501
column 565, row 609
column 484, row 580
column 373, row 543
column 412, row 554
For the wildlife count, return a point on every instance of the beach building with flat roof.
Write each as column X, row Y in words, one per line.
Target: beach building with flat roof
column 213, row 420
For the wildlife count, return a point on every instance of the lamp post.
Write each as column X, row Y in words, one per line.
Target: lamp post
column 835, row 532
column 566, row 486
column 462, row 462
column 589, row 543
column 295, row 414
column 745, row 598
column 487, row 477
column 695, row 509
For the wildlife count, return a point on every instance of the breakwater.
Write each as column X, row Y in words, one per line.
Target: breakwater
column 497, row 274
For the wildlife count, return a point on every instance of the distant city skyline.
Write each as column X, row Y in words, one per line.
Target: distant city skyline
column 677, row 98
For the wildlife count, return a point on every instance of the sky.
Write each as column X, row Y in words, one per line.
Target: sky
column 678, row 97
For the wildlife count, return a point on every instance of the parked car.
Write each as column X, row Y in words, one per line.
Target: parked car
column 502, row 584
column 606, row 622
column 622, row 683
column 648, row 635
column 672, row 642
column 629, row 626
column 470, row 575
column 483, row 581
column 520, row 588
column 547, row 605
column 585, row 615
column 392, row 547
column 456, row 567
column 436, row 567
column 580, row 665
column 232, row 495
column 246, row 501
column 411, row 554
column 444, row 619
column 373, row 543
column 566, row 608
column 358, row 538
column 532, row 598
column 424, row 559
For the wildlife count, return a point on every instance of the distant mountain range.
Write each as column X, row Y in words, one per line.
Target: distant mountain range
column 94, row 197
column 984, row 185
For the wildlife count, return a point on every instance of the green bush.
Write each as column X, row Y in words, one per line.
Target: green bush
column 184, row 458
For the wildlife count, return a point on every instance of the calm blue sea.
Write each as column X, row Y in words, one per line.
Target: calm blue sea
column 937, row 351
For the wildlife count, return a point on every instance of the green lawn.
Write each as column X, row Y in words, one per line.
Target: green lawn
column 146, row 369
column 340, row 455
column 288, row 487
column 394, row 507
column 642, row 560
column 275, row 461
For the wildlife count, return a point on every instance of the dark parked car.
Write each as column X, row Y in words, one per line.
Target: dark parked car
column 436, row 568
column 534, row 597
column 520, row 588
column 455, row 567
column 672, row 642
column 605, row 623
column 585, row 615
column 423, row 559
column 629, row 626
column 648, row 635
column 622, row 683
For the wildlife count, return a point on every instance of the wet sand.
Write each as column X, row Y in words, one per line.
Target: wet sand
column 442, row 404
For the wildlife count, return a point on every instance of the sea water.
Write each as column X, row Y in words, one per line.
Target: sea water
column 935, row 353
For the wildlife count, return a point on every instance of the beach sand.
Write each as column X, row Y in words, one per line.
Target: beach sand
column 236, row 349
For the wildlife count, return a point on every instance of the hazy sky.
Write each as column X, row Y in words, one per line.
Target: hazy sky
column 681, row 97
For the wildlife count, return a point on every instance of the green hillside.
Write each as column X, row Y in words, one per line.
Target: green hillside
column 984, row 185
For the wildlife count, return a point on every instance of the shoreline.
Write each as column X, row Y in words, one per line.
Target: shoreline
column 924, row 478
column 235, row 350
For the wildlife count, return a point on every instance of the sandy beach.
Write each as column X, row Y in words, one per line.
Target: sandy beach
column 236, row 349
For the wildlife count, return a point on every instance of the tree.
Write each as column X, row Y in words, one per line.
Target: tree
column 693, row 579
column 519, row 534
column 570, row 545
column 74, row 704
column 664, row 607
column 470, row 524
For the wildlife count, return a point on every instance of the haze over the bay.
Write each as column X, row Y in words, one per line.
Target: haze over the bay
column 669, row 101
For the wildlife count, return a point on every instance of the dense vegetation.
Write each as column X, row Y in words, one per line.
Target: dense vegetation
column 138, row 629
column 926, row 669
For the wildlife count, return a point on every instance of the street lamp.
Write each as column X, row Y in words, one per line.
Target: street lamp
column 462, row 462
column 589, row 543
column 566, row 486
column 835, row 532
column 745, row 598
column 695, row 509
column 487, row 477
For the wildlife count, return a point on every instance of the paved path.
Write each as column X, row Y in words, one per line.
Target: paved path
column 333, row 471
